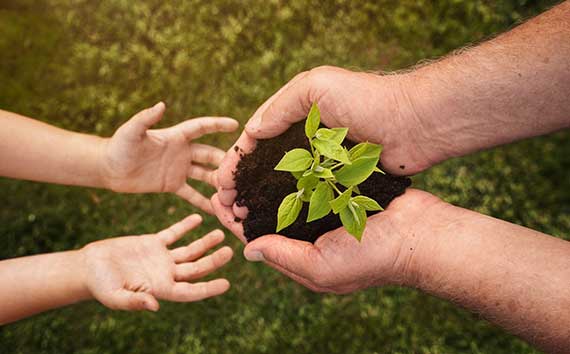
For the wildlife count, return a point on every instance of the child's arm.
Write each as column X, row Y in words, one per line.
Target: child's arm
column 136, row 159
column 126, row 273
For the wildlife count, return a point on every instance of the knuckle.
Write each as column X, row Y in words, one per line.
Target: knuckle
column 301, row 75
column 320, row 73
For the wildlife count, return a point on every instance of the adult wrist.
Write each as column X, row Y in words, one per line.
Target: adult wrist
column 424, row 240
column 422, row 112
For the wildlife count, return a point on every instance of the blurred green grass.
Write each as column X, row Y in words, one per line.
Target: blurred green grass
column 90, row 65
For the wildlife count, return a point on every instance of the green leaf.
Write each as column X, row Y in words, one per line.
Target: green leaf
column 319, row 205
column 365, row 150
column 306, row 196
column 307, row 182
column 358, row 172
column 288, row 210
column 297, row 174
column 295, row 160
column 336, row 135
column 322, row 172
column 332, row 150
column 341, row 201
column 366, row 203
column 353, row 219
column 313, row 121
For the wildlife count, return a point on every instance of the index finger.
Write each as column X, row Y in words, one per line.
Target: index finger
column 244, row 145
column 287, row 106
column 176, row 231
column 196, row 127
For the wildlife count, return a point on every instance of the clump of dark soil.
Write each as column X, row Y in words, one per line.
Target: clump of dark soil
column 261, row 189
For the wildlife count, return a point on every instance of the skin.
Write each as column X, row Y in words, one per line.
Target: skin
column 131, row 272
column 136, row 159
column 124, row 273
column 512, row 87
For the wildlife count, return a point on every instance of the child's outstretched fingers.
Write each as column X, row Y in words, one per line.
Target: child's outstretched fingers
column 197, row 127
column 204, row 266
column 177, row 231
column 137, row 126
column 194, row 197
column 186, row 292
column 198, row 248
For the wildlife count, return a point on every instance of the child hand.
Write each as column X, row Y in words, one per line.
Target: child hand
column 140, row 160
column 132, row 272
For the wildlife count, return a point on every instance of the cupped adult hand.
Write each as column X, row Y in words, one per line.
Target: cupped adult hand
column 393, row 243
column 375, row 108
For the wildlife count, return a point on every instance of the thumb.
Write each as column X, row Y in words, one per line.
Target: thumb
column 298, row 257
column 142, row 121
column 132, row 301
column 287, row 106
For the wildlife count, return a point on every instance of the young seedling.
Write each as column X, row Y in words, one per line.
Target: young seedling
column 328, row 177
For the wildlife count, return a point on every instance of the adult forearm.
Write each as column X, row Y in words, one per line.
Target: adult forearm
column 513, row 276
column 33, row 150
column 30, row 285
column 511, row 87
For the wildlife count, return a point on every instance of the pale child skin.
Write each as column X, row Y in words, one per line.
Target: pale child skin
column 131, row 272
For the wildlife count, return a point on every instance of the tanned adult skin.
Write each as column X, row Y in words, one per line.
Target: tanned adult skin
column 511, row 87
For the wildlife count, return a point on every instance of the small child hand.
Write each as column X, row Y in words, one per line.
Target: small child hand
column 138, row 159
column 132, row 272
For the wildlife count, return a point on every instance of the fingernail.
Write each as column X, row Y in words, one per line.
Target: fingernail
column 254, row 122
column 254, row 256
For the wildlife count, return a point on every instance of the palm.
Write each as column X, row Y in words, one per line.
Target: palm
column 158, row 163
column 338, row 263
column 137, row 263
column 142, row 160
column 132, row 272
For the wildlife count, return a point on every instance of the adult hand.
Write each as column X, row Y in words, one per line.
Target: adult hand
column 375, row 108
column 138, row 159
column 338, row 263
column 132, row 272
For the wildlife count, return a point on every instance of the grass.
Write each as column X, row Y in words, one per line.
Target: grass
column 90, row 65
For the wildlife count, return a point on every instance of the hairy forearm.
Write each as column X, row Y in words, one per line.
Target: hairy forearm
column 30, row 285
column 36, row 151
column 511, row 87
column 513, row 276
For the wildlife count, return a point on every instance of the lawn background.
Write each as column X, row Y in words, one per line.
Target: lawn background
column 90, row 65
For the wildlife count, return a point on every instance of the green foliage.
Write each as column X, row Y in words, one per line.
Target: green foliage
column 330, row 163
column 353, row 218
column 319, row 205
column 296, row 160
column 366, row 203
column 289, row 210
column 89, row 65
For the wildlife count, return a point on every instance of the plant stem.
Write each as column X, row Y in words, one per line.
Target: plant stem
column 337, row 165
column 334, row 187
column 312, row 148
